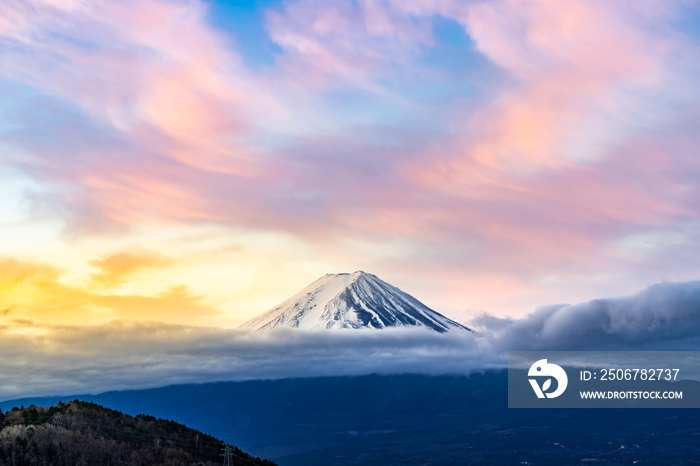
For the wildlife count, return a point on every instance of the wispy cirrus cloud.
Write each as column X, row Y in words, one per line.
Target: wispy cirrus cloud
column 151, row 95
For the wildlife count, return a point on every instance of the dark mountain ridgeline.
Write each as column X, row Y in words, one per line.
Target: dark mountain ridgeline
column 84, row 433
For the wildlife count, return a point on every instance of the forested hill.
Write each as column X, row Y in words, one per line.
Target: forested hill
column 82, row 433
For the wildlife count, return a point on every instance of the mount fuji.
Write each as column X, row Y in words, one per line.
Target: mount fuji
column 351, row 301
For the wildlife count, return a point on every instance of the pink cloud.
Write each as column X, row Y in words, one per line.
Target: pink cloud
column 158, row 78
column 569, row 63
column 346, row 42
column 153, row 70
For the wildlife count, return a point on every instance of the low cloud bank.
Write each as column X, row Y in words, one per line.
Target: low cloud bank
column 61, row 360
column 665, row 316
column 69, row 360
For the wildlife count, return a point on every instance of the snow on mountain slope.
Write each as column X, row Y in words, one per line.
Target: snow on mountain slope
column 357, row 300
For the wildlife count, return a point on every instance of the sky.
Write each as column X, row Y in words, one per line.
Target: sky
column 197, row 162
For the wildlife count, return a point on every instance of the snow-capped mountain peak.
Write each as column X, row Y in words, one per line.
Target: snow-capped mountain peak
column 351, row 300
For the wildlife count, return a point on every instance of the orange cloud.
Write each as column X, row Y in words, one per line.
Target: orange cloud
column 36, row 292
column 116, row 268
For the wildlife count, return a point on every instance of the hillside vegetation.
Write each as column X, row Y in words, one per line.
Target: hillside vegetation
column 82, row 433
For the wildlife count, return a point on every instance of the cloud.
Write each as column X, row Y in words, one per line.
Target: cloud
column 572, row 66
column 69, row 359
column 116, row 268
column 532, row 188
column 42, row 359
column 347, row 42
column 665, row 316
column 143, row 87
column 569, row 133
column 38, row 292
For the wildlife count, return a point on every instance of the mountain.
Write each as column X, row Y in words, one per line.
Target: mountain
column 79, row 432
column 358, row 300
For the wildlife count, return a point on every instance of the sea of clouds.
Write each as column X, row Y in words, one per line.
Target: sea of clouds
column 60, row 360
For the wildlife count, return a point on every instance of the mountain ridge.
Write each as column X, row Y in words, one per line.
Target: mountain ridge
column 83, row 432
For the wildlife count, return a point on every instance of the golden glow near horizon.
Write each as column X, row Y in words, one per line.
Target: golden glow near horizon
column 210, row 284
